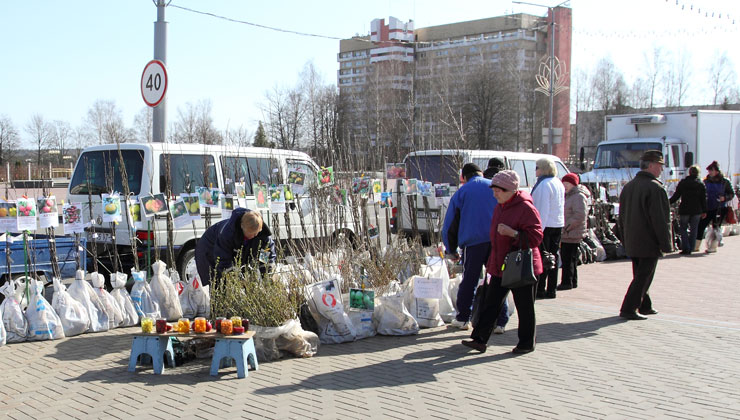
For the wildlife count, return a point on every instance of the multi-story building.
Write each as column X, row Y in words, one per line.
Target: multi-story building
column 406, row 88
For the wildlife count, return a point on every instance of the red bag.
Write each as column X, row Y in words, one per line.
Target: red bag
column 731, row 218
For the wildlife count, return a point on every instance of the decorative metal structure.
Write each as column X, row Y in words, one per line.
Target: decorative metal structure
column 557, row 74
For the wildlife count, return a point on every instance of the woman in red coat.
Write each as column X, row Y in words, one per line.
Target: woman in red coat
column 514, row 216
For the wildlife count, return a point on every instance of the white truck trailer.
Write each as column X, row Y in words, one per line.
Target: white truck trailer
column 684, row 137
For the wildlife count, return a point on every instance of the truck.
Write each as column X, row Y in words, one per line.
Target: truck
column 685, row 138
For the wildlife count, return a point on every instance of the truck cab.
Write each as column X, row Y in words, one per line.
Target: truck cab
column 618, row 161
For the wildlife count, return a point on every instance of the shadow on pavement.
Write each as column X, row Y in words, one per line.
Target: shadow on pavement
column 414, row 368
column 560, row 331
column 91, row 346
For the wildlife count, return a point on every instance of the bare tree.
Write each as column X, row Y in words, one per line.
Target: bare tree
column 104, row 123
column 194, row 125
column 608, row 85
column 284, row 110
column 722, row 77
column 142, row 130
column 654, row 68
column 639, row 95
column 61, row 137
column 239, row 137
column 8, row 139
column 40, row 132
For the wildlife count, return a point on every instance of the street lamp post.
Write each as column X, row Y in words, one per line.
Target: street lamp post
column 551, row 93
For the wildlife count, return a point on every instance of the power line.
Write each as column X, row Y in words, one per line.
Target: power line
column 257, row 25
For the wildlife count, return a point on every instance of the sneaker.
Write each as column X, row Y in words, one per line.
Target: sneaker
column 459, row 324
column 498, row 330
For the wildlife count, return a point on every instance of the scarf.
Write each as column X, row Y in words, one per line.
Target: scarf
column 540, row 179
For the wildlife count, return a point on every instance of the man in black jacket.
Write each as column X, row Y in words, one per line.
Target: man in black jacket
column 645, row 223
column 693, row 195
column 243, row 234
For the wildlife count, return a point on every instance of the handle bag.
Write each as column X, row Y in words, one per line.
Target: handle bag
column 518, row 269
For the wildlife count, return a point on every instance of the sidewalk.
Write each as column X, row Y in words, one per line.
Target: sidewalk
column 681, row 363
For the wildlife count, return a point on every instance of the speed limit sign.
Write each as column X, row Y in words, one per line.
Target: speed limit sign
column 154, row 83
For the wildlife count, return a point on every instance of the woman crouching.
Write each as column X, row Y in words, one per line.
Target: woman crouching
column 513, row 216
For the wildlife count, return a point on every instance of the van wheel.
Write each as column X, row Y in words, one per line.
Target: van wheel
column 187, row 265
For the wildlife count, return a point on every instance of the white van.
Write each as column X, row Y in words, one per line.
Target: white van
column 192, row 166
column 443, row 167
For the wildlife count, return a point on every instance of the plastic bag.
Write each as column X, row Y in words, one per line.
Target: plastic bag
column 14, row 322
column 163, row 291
column 2, row 329
column 714, row 237
column 112, row 308
column 121, row 296
column 437, row 268
column 43, row 322
column 141, row 295
column 84, row 293
column 363, row 323
column 184, row 292
column 296, row 341
column 425, row 311
column 199, row 295
column 264, row 340
column 453, row 287
column 325, row 303
column 392, row 317
column 73, row 315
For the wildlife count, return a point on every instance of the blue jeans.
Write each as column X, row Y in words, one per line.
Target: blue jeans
column 688, row 227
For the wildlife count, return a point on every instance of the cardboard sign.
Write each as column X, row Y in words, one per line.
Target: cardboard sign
column 48, row 213
column 72, row 218
column 111, row 208
column 427, row 288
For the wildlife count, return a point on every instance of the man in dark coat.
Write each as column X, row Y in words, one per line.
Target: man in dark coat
column 693, row 195
column 645, row 223
column 221, row 243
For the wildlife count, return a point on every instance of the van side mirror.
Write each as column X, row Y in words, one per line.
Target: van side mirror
column 688, row 159
column 581, row 159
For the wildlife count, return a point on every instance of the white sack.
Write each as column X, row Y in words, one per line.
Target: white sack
column 14, row 322
column 84, row 293
column 425, row 311
column 437, row 268
column 73, row 315
column 363, row 323
column 43, row 322
column 392, row 318
column 163, row 291
column 123, row 299
column 112, row 308
column 325, row 304
column 199, row 295
column 141, row 295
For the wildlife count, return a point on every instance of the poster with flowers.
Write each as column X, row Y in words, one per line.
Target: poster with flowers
column 72, row 218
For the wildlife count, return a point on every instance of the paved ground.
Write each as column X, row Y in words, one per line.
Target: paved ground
column 682, row 363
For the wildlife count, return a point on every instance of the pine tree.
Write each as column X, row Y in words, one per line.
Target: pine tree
column 260, row 138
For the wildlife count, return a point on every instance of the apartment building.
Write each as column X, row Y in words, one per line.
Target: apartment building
column 396, row 65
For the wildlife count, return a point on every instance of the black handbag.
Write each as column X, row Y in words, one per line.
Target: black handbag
column 518, row 270
column 479, row 303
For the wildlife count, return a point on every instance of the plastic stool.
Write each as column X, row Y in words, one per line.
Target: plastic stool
column 157, row 348
column 240, row 350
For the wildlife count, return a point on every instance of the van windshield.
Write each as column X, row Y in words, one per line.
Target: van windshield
column 437, row 169
column 622, row 155
column 99, row 171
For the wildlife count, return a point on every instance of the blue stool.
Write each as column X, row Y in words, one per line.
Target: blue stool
column 155, row 347
column 240, row 349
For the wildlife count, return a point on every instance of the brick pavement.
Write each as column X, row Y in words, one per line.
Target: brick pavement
column 682, row 363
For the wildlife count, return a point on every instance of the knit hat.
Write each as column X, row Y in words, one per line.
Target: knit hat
column 469, row 170
column 714, row 165
column 506, row 180
column 572, row 178
column 495, row 163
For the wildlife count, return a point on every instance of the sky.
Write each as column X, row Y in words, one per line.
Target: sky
column 58, row 57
